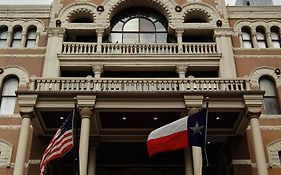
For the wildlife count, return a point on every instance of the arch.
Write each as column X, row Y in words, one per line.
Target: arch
column 160, row 6
column 69, row 12
column 263, row 71
column 6, row 149
column 17, row 71
column 273, row 150
column 210, row 14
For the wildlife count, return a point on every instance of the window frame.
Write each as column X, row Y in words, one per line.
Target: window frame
column 261, row 38
column 29, row 39
column 9, row 97
column 16, row 41
column 3, row 29
column 247, row 42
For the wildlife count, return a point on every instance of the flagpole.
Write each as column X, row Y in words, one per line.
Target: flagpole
column 75, row 138
column 207, row 115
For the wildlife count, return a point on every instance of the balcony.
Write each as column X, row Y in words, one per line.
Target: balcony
column 74, row 48
column 140, row 100
column 143, row 85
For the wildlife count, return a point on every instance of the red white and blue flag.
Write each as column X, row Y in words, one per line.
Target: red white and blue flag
column 60, row 144
column 180, row 134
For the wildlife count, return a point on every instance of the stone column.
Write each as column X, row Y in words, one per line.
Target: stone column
column 193, row 103
column 227, row 67
column 51, row 67
column 268, row 38
column 179, row 33
column 92, row 158
column 99, row 39
column 9, row 37
column 27, row 103
column 254, row 39
column 23, row 39
column 240, row 36
column 22, row 144
column 37, row 39
column 181, row 70
column 86, row 104
column 98, row 70
column 254, row 106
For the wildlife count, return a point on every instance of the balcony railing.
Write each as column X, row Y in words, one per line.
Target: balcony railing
column 141, row 49
column 90, row 84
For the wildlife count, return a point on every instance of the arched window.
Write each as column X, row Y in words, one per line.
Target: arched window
column 31, row 38
column 270, row 101
column 275, row 38
column 261, row 39
column 8, row 96
column 16, row 39
column 138, row 25
column 3, row 36
column 279, row 154
column 246, row 38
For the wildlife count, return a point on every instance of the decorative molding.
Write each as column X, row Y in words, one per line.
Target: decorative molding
column 242, row 162
column 272, row 149
column 6, row 149
column 10, row 126
column 20, row 72
column 253, row 24
column 262, row 71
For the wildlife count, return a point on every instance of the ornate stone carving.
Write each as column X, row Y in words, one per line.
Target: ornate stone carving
column 263, row 71
column 5, row 153
column 273, row 156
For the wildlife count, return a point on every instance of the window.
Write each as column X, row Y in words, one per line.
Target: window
column 3, row 36
column 279, row 154
column 270, row 101
column 246, row 38
column 261, row 39
column 138, row 25
column 8, row 96
column 16, row 39
column 275, row 38
column 31, row 38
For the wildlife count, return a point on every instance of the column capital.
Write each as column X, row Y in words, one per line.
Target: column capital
column 97, row 68
column 27, row 103
column 59, row 32
column 193, row 101
column 181, row 68
column 87, row 101
column 99, row 31
column 179, row 31
column 86, row 112
column 223, row 32
column 253, row 103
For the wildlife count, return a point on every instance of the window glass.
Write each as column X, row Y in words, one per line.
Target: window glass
column 3, row 36
column 261, row 40
column 275, row 39
column 270, row 100
column 16, row 40
column 138, row 25
column 246, row 38
column 132, row 25
column 8, row 97
column 146, row 25
column 31, row 38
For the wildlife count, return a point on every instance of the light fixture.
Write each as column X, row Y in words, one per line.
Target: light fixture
column 217, row 118
column 61, row 118
column 208, row 142
column 124, row 118
column 155, row 118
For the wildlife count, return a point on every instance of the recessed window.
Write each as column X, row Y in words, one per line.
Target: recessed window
column 8, row 96
column 261, row 39
column 16, row 38
column 196, row 16
column 138, row 25
column 246, row 38
column 275, row 38
column 81, row 17
column 31, row 38
column 3, row 36
column 270, row 100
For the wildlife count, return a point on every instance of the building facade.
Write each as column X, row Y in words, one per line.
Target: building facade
column 133, row 66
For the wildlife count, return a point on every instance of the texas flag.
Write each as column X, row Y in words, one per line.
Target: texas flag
column 187, row 131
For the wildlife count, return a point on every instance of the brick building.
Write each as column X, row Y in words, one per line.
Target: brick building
column 134, row 66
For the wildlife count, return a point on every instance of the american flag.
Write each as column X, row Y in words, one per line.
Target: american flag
column 60, row 144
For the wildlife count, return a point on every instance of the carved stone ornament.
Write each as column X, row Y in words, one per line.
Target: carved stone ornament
column 5, row 153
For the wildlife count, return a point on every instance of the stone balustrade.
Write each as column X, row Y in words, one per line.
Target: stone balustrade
column 141, row 49
column 137, row 84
